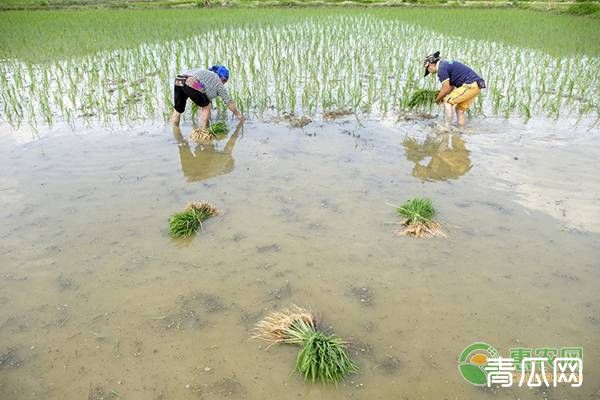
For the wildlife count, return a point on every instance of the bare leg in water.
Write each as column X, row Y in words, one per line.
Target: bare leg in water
column 175, row 118
column 205, row 116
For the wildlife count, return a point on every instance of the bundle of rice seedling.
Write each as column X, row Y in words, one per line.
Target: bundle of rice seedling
column 214, row 131
column 418, row 221
column 187, row 222
column 422, row 98
column 321, row 357
column 201, row 135
column 219, row 129
column 283, row 326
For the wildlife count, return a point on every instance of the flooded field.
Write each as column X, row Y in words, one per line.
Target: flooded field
column 97, row 300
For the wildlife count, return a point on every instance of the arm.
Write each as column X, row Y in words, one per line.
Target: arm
column 224, row 95
column 232, row 107
column 444, row 91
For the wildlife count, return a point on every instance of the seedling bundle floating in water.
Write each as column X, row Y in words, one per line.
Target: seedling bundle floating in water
column 215, row 131
column 422, row 98
column 418, row 221
column 186, row 223
column 321, row 357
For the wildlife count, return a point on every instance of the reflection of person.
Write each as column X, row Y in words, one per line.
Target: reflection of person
column 449, row 157
column 205, row 161
column 201, row 86
column 460, row 86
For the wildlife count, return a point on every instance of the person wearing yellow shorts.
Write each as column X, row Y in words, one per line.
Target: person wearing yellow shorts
column 460, row 86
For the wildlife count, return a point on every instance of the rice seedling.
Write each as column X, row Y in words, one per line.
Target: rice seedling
column 422, row 98
column 309, row 42
column 282, row 326
column 187, row 222
column 322, row 357
column 418, row 220
column 215, row 131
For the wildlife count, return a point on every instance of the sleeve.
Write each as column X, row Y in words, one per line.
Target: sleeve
column 443, row 74
column 224, row 94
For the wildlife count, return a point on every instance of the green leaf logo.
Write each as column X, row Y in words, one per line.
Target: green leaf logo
column 472, row 362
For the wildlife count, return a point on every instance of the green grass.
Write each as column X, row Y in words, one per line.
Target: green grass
column 558, row 35
column 585, row 8
column 422, row 98
column 38, row 36
column 417, row 211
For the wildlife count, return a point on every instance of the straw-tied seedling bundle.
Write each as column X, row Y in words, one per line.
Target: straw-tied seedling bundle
column 215, row 131
column 185, row 223
column 418, row 220
column 422, row 98
column 321, row 356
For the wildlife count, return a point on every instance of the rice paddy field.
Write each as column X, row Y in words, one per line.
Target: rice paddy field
column 106, row 292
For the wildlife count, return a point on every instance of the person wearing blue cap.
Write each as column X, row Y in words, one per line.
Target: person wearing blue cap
column 201, row 86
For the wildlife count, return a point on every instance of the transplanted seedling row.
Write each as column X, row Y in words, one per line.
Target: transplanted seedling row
column 276, row 69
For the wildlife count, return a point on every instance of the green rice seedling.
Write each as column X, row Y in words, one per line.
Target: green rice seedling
column 321, row 357
column 417, row 210
column 418, row 220
column 219, row 129
column 185, row 223
column 422, row 98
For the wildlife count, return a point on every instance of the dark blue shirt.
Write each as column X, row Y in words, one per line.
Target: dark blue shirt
column 458, row 73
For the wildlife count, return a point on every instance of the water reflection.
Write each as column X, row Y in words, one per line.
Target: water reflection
column 206, row 160
column 439, row 157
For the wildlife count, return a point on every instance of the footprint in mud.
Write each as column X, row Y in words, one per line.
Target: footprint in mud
column 356, row 349
column 224, row 388
column 185, row 320
column 10, row 358
column 268, row 248
column 205, row 301
column 389, row 365
column 363, row 294
column 188, row 315
column 248, row 319
column 567, row 276
column 64, row 283
column 331, row 206
column 281, row 293
column 238, row 237
column 99, row 393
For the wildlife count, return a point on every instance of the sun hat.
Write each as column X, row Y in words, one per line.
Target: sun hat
column 431, row 59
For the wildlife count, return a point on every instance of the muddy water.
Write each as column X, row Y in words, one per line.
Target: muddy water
column 96, row 301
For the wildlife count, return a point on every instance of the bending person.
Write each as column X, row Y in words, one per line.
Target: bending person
column 460, row 86
column 201, row 86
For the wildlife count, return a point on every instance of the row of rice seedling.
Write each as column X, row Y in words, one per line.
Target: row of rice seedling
column 361, row 63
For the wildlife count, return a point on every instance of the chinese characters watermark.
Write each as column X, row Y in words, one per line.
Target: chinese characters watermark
column 481, row 364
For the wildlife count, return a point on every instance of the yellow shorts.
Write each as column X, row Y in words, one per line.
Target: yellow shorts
column 462, row 97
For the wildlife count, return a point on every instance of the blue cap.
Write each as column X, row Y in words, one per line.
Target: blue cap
column 220, row 70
